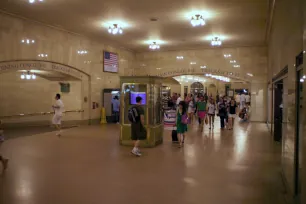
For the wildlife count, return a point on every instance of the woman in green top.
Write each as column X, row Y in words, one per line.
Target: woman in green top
column 201, row 107
column 180, row 127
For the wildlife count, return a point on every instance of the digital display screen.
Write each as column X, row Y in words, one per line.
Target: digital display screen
column 133, row 96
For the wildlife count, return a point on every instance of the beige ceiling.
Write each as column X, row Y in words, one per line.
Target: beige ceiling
column 243, row 22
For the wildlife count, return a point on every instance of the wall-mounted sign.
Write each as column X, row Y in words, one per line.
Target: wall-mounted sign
column 39, row 65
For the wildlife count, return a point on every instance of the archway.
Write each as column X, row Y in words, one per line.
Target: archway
column 38, row 94
column 196, row 88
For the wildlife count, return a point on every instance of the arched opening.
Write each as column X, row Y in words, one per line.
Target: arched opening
column 28, row 88
column 196, row 88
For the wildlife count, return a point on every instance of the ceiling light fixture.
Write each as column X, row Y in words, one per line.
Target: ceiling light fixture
column 203, row 67
column 249, row 74
column 236, row 65
column 193, row 63
column 197, row 20
column 27, row 75
column 158, row 68
column 27, row 41
column 43, row 55
column 179, row 57
column 115, row 29
column 232, row 61
column 302, row 80
column 227, row 55
column 154, row 46
column 82, row 52
column 33, row 1
column 216, row 41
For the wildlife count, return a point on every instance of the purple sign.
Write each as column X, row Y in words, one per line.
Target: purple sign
column 133, row 96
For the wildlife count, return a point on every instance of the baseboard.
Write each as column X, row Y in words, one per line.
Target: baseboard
column 67, row 123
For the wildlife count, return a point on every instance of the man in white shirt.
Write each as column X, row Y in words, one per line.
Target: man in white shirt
column 237, row 99
column 242, row 100
column 179, row 99
column 58, row 113
column 248, row 99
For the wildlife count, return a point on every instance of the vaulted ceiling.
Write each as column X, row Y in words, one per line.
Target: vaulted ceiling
column 240, row 23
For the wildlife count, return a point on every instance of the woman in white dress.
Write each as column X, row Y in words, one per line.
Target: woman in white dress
column 191, row 110
column 211, row 112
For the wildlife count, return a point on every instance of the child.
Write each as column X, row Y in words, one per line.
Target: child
column 181, row 128
column 3, row 160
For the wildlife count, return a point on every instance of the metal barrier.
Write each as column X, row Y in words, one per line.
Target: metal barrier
column 37, row 114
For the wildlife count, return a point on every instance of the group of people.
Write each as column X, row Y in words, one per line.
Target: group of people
column 204, row 108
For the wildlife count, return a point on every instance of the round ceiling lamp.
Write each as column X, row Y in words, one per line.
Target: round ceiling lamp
column 154, row 46
column 33, row 1
column 197, row 20
column 115, row 29
column 216, row 41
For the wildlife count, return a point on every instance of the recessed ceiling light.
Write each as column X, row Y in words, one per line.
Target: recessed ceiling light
column 158, row 68
column 179, row 57
column 232, row 61
column 203, row 67
column 193, row 63
column 249, row 74
column 33, row 1
column 227, row 55
column 236, row 65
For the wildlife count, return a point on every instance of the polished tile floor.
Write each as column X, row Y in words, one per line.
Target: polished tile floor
column 87, row 166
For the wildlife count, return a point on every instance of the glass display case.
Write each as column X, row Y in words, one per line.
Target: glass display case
column 150, row 89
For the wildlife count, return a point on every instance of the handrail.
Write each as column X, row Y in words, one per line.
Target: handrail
column 39, row 113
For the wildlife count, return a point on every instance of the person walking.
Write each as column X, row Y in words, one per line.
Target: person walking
column 3, row 160
column 232, row 114
column 116, row 108
column 58, row 109
column 138, row 132
column 211, row 113
column 181, row 128
column 191, row 110
column 201, row 108
column 222, row 108
column 178, row 100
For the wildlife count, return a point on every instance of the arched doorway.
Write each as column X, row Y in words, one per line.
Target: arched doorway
column 196, row 88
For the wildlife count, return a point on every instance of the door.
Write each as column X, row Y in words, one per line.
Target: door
column 278, row 110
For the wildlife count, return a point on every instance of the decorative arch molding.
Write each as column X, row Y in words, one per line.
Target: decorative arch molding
column 12, row 66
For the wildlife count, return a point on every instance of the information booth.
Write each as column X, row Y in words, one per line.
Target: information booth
column 150, row 89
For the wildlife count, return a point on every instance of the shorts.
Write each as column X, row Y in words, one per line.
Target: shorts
column 57, row 120
column 211, row 114
column 231, row 115
column 138, row 132
column 201, row 114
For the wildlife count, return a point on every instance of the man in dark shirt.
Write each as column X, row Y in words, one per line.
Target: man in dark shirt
column 138, row 131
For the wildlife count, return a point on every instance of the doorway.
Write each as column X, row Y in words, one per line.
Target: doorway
column 196, row 88
column 108, row 97
column 278, row 110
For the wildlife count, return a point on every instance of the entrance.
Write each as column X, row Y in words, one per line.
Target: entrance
column 108, row 97
column 278, row 110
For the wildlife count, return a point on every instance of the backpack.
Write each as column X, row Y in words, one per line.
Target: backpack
column 133, row 115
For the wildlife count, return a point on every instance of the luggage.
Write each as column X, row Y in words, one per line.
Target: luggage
column 174, row 136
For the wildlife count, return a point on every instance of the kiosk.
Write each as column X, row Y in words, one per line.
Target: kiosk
column 150, row 89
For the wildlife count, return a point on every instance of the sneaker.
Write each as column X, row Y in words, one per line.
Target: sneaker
column 5, row 162
column 136, row 153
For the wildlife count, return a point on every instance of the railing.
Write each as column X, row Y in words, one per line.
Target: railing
column 37, row 114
